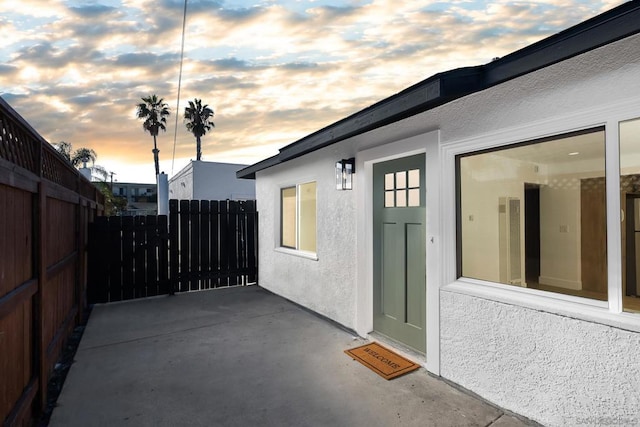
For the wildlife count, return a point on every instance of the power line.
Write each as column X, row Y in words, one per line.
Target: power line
column 175, row 132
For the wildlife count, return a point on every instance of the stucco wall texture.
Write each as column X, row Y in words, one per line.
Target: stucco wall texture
column 557, row 370
column 325, row 285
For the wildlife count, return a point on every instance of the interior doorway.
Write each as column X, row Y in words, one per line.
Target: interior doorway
column 632, row 219
column 532, row 233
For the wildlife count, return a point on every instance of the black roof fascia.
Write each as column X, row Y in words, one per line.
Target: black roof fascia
column 250, row 171
column 436, row 90
column 422, row 96
column 608, row 27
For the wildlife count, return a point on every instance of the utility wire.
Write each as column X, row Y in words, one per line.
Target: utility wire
column 175, row 132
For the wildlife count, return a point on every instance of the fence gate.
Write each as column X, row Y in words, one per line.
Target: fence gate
column 200, row 245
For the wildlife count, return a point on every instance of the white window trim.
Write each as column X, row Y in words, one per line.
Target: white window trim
column 287, row 249
column 296, row 252
column 604, row 312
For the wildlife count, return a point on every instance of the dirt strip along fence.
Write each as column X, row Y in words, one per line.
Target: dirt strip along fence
column 200, row 245
column 45, row 209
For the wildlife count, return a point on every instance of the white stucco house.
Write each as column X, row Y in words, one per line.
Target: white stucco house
column 493, row 226
column 201, row 180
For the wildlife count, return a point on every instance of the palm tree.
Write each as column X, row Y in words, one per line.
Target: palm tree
column 63, row 148
column 84, row 156
column 197, row 120
column 154, row 112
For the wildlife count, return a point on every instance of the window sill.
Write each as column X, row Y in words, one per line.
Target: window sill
column 564, row 305
column 295, row 252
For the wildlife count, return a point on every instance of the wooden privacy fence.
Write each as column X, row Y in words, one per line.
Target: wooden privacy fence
column 45, row 206
column 201, row 245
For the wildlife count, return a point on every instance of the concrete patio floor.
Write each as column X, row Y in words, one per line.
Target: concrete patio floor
column 240, row 357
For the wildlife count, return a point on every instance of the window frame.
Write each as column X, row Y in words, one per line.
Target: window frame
column 281, row 246
column 603, row 312
column 458, row 169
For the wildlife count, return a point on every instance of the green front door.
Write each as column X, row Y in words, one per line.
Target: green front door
column 399, row 240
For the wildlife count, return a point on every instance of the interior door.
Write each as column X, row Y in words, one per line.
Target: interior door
column 399, row 240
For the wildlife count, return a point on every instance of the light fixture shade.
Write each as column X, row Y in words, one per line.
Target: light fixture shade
column 345, row 169
column 339, row 175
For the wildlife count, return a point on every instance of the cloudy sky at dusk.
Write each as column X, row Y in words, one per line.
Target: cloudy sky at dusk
column 272, row 70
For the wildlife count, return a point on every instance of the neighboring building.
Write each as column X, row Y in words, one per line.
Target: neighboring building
column 210, row 181
column 142, row 199
column 492, row 227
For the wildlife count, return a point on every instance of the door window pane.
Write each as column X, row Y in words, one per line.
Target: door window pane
column 414, row 197
column 414, row 178
column 401, row 179
column 401, row 198
column 534, row 215
column 389, row 183
column 389, row 199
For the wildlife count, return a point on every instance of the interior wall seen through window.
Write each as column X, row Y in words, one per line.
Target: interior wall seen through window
column 534, row 215
column 630, row 208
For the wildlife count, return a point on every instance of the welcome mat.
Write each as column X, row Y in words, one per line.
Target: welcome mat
column 381, row 360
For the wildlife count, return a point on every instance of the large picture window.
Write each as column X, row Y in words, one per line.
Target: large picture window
column 630, row 208
column 534, row 215
column 298, row 217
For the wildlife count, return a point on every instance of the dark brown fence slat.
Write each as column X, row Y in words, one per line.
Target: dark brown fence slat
column 128, row 251
column 99, row 261
column 252, row 241
column 194, row 264
column 215, row 243
column 184, row 245
column 115, row 257
column 151, row 250
column 174, row 245
column 224, row 242
column 163, row 256
column 140, row 263
column 234, row 216
column 205, row 244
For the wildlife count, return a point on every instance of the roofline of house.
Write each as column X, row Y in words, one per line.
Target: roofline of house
column 608, row 27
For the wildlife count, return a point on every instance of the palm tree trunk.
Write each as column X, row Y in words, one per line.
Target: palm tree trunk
column 198, row 149
column 155, row 156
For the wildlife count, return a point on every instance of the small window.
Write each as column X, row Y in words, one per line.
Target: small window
column 298, row 217
column 534, row 215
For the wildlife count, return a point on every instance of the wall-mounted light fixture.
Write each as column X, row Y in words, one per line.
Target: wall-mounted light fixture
column 345, row 169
